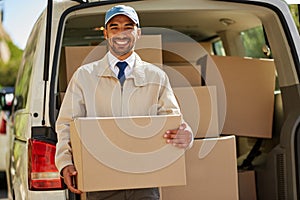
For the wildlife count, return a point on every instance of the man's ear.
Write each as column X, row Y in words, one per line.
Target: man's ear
column 105, row 33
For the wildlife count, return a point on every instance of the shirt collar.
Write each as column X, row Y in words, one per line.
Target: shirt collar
column 113, row 60
column 138, row 73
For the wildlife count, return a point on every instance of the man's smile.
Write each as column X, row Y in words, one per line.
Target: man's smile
column 122, row 42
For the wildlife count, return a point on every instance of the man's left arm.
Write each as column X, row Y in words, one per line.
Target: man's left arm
column 181, row 137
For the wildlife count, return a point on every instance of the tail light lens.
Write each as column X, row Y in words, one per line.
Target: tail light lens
column 43, row 174
column 2, row 126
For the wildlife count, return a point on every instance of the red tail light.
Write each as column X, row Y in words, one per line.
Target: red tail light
column 2, row 126
column 43, row 174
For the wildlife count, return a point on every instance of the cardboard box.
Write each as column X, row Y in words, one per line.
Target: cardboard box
column 247, row 186
column 75, row 56
column 211, row 172
column 249, row 85
column 183, row 52
column 148, row 47
column 199, row 109
column 126, row 152
column 249, row 90
column 208, row 47
column 183, row 75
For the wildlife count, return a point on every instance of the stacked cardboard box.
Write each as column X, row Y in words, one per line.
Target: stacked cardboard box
column 199, row 108
column 249, row 88
column 250, row 95
column 247, row 185
column 249, row 85
column 211, row 171
column 211, row 162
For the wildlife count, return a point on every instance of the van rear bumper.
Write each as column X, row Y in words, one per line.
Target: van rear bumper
column 49, row 195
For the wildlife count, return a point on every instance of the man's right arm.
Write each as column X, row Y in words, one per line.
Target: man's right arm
column 68, row 173
column 73, row 106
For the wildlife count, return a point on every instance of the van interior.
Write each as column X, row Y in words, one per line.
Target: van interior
column 231, row 48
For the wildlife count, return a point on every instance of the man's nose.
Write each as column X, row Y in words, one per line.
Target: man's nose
column 123, row 33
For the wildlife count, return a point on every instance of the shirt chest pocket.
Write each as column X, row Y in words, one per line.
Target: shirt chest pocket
column 132, row 100
column 140, row 100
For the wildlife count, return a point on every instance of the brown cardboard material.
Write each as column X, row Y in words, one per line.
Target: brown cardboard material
column 249, row 90
column 247, row 186
column 148, row 47
column 126, row 152
column 183, row 75
column 211, row 172
column 199, row 108
column 79, row 55
column 208, row 47
column 250, row 95
column 183, row 52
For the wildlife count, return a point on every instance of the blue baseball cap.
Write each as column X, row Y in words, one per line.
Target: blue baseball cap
column 122, row 10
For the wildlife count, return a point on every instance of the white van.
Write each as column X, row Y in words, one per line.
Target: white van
column 248, row 49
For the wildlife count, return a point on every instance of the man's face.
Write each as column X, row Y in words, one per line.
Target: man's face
column 121, row 33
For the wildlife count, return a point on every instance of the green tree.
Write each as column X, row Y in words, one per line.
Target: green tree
column 8, row 70
column 254, row 40
column 295, row 12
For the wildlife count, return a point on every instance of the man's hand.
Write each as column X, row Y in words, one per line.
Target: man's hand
column 180, row 137
column 69, row 174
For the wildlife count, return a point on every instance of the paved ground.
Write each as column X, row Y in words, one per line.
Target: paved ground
column 3, row 186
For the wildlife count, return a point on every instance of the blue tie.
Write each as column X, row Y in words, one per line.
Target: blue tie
column 121, row 75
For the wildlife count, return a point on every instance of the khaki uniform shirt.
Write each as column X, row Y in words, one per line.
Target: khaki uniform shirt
column 95, row 91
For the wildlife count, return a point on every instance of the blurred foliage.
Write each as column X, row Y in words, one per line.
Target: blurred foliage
column 9, row 70
column 254, row 40
column 295, row 12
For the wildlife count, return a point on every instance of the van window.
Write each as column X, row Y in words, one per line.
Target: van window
column 218, row 48
column 253, row 41
column 25, row 71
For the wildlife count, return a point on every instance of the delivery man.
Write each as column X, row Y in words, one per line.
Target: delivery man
column 121, row 69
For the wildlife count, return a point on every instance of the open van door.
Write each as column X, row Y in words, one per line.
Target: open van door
column 47, row 52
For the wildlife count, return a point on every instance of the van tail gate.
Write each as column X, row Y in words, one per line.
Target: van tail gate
column 47, row 53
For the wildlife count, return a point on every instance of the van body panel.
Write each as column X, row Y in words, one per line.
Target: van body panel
column 51, row 195
column 19, row 178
